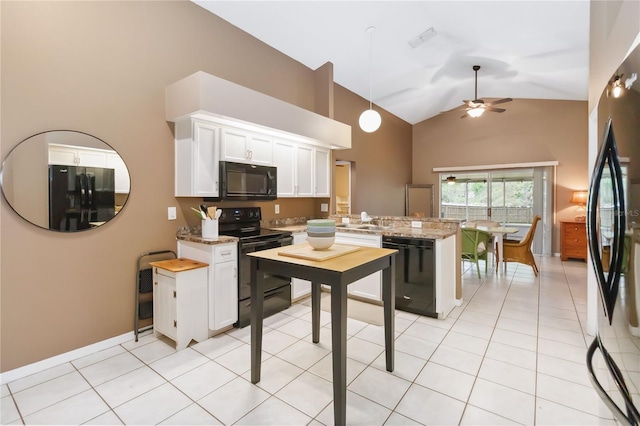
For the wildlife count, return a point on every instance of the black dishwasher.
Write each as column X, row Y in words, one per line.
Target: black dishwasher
column 415, row 274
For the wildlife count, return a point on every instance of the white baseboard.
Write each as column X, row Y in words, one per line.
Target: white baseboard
column 36, row 367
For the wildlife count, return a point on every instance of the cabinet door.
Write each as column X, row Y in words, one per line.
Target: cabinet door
column 304, row 171
column 122, row 180
column 225, row 296
column 261, row 150
column 63, row 156
column 322, row 172
column 300, row 288
column 164, row 305
column 204, row 160
column 284, row 159
column 235, row 145
column 369, row 287
column 92, row 158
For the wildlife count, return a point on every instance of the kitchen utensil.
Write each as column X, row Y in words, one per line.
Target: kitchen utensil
column 218, row 213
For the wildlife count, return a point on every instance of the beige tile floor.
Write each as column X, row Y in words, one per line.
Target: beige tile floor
column 512, row 354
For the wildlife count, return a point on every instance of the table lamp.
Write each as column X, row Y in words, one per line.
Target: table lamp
column 580, row 198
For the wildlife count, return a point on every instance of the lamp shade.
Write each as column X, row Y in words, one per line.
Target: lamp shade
column 579, row 197
column 370, row 121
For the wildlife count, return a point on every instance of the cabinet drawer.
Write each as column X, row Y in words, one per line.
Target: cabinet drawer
column 571, row 232
column 225, row 253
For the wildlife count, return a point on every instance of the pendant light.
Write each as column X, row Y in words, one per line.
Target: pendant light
column 370, row 120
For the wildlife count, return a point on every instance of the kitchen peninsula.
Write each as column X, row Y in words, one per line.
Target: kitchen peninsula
column 442, row 236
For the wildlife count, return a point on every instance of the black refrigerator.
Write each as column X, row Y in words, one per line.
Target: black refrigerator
column 613, row 358
column 80, row 197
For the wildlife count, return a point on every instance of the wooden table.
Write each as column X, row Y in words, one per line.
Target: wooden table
column 499, row 233
column 338, row 273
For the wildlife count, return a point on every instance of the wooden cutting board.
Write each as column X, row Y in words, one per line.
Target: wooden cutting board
column 178, row 265
column 305, row 251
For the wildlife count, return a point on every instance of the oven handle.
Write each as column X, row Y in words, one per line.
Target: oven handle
column 399, row 246
column 267, row 242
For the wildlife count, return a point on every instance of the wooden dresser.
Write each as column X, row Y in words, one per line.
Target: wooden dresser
column 573, row 240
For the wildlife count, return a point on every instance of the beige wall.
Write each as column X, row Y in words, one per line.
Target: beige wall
column 529, row 131
column 381, row 161
column 101, row 68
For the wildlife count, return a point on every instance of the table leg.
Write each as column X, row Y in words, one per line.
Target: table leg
column 389, row 300
column 339, row 352
column 315, row 311
column 257, row 306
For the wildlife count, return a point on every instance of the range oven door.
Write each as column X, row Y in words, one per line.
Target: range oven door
column 277, row 288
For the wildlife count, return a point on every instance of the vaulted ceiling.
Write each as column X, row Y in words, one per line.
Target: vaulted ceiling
column 526, row 49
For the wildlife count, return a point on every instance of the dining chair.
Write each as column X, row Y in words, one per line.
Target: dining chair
column 520, row 251
column 475, row 246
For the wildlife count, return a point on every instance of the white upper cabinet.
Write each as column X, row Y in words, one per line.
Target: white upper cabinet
column 304, row 171
column 68, row 155
column 197, row 155
column 284, row 158
column 246, row 147
column 122, row 179
column 296, row 168
column 322, row 172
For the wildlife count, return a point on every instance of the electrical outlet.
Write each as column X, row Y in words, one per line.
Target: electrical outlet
column 345, row 220
column 171, row 213
column 324, row 207
column 277, row 208
column 416, row 224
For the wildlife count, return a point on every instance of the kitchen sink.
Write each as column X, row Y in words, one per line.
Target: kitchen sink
column 363, row 226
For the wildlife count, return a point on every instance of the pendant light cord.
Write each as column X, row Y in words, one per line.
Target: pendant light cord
column 371, row 30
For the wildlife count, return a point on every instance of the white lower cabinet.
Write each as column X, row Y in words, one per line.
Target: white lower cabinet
column 299, row 288
column 369, row 287
column 179, row 304
column 222, row 289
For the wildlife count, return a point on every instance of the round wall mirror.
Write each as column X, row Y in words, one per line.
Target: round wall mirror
column 65, row 180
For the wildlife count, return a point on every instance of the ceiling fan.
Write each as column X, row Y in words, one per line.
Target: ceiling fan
column 477, row 107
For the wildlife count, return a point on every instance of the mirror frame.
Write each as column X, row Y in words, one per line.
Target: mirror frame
column 430, row 198
column 30, row 200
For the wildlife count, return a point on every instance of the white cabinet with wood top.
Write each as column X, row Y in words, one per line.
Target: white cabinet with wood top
column 222, row 285
column 180, row 300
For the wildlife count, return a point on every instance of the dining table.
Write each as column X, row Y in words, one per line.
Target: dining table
column 499, row 232
column 337, row 272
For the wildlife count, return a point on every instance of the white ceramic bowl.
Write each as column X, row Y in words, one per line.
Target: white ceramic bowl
column 321, row 243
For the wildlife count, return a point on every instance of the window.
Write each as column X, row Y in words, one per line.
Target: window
column 502, row 196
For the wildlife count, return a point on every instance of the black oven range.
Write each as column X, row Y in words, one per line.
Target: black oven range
column 244, row 223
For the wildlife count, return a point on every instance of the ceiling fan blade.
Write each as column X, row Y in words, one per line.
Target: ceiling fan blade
column 492, row 109
column 499, row 101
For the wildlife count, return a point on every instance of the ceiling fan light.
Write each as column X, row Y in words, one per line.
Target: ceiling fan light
column 451, row 180
column 475, row 112
column 370, row 121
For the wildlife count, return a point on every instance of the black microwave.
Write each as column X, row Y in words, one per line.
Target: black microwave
column 240, row 181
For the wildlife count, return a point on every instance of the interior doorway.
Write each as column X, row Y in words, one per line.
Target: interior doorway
column 342, row 174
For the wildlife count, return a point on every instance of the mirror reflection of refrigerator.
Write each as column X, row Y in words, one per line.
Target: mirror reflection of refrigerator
column 80, row 197
column 613, row 358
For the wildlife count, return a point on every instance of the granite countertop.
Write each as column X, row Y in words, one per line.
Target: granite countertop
column 427, row 233
column 197, row 238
